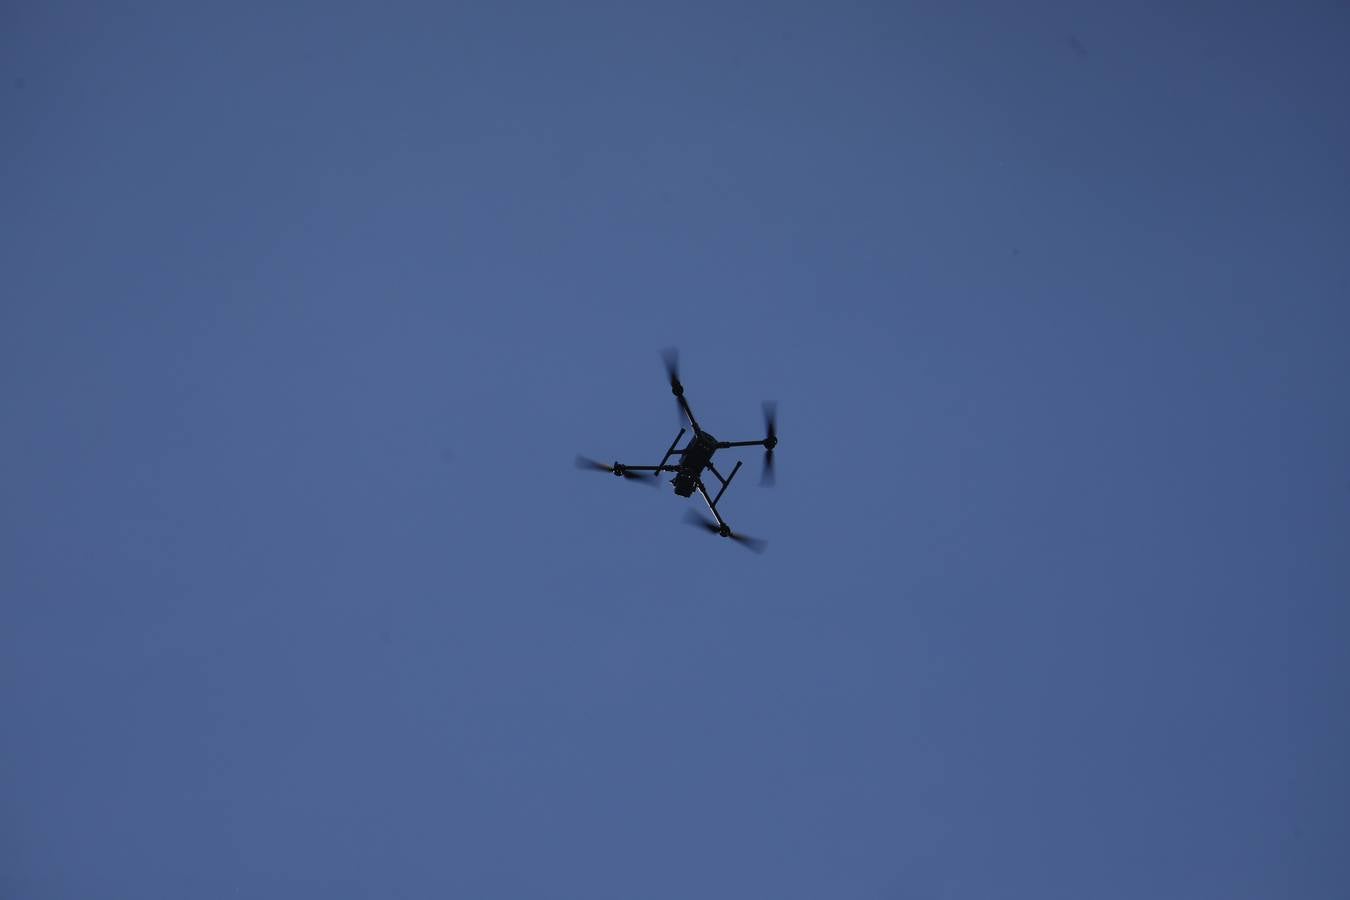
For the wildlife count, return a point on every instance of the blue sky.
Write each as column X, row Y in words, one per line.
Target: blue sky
column 308, row 310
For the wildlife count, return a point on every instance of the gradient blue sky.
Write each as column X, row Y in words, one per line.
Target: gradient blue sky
column 307, row 309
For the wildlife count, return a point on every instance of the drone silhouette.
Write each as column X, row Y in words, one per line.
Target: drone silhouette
column 695, row 457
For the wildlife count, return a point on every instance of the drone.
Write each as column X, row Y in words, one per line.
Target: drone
column 695, row 457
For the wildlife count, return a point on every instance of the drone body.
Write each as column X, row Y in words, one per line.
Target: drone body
column 693, row 460
column 696, row 458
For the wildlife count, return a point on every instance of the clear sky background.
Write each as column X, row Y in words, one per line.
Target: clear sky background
column 308, row 308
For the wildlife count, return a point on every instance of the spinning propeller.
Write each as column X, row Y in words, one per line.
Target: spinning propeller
column 700, row 521
column 770, row 441
column 671, row 357
column 585, row 462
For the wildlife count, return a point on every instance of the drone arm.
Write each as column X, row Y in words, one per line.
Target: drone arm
column 712, row 504
column 689, row 413
column 762, row 442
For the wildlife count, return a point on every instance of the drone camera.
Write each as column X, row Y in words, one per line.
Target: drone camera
column 685, row 484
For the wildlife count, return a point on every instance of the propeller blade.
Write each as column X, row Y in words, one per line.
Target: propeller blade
column 671, row 357
column 766, row 477
column 701, row 521
column 754, row 545
column 585, row 462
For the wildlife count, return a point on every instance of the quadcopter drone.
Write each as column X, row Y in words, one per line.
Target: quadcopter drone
column 695, row 457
